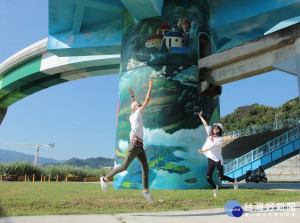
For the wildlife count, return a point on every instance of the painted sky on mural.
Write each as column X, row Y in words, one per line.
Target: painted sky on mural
column 80, row 116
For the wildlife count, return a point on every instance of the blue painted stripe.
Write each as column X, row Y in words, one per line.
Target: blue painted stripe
column 288, row 148
column 266, row 159
column 277, row 154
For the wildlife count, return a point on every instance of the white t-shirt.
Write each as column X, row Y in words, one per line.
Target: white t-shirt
column 214, row 144
column 136, row 121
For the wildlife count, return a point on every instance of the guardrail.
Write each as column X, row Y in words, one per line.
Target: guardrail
column 267, row 148
column 287, row 123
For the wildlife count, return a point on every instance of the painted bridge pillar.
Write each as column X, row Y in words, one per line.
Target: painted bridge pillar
column 298, row 72
column 165, row 49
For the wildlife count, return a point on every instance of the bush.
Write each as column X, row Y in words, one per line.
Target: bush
column 19, row 168
column 22, row 168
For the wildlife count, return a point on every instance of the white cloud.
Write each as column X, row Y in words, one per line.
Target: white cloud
column 181, row 138
column 123, row 145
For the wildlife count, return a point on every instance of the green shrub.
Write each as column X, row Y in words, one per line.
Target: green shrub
column 19, row 168
column 22, row 168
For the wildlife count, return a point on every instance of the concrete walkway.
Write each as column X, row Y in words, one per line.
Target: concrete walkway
column 269, row 185
column 203, row 215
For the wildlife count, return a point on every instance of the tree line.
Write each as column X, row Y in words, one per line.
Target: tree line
column 256, row 114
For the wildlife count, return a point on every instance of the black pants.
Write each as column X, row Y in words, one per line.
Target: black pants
column 210, row 169
column 134, row 151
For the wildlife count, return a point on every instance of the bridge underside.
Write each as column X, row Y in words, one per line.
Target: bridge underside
column 277, row 50
column 95, row 26
column 83, row 43
column 45, row 70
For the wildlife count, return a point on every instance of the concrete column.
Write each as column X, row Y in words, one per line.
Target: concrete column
column 165, row 49
column 298, row 71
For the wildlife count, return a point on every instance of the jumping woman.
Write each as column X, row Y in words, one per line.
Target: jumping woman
column 135, row 148
column 212, row 149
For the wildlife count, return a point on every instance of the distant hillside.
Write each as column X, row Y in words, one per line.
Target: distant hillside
column 7, row 156
column 91, row 162
column 247, row 116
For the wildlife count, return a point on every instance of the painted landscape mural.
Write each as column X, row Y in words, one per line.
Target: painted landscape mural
column 165, row 49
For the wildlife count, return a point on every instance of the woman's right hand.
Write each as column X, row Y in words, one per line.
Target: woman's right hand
column 200, row 114
column 202, row 119
column 131, row 92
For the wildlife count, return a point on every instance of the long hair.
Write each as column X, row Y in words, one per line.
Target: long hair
column 219, row 134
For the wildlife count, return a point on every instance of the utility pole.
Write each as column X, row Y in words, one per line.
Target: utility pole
column 276, row 120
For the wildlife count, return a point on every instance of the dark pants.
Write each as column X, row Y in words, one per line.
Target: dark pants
column 134, row 151
column 210, row 169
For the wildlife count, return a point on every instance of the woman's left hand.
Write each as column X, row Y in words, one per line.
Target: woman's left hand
column 150, row 81
column 200, row 151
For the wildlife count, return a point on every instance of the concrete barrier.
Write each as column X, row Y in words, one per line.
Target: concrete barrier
column 288, row 170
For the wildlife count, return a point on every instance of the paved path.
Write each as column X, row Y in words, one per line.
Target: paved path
column 203, row 215
column 270, row 185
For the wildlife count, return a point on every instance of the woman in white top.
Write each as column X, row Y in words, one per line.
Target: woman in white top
column 135, row 148
column 212, row 149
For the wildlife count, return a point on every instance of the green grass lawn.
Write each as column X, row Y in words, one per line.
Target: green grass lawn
column 20, row 199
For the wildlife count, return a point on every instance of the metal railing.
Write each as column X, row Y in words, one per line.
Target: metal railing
column 287, row 123
column 266, row 148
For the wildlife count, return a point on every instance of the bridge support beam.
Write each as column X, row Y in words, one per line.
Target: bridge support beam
column 3, row 112
column 258, row 56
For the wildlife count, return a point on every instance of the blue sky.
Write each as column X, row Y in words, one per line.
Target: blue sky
column 80, row 116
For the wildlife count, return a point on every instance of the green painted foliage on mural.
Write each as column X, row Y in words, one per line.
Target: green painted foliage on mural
column 215, row 117
column 120, row 154
column 174, row 168
column 127, row 184
column 191, row 181
column 123, row 129
column 155, row 163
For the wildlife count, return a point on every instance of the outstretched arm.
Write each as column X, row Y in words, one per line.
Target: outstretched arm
column 202, row 119
column 148, row 96
column 218, row 142
column 132, row 95
column 203, row 150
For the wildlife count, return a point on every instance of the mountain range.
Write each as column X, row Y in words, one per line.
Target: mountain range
column 7, row 156
column 11, row 156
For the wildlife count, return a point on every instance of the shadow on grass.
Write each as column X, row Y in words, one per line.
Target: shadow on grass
column 176, row 215
column 2, row 212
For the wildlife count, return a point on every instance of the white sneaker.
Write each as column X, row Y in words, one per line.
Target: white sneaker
column 215, row 191
column 235, row 184
column 103, row 184
column 147, row 196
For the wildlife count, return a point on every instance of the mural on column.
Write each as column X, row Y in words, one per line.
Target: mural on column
column 165, row 49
